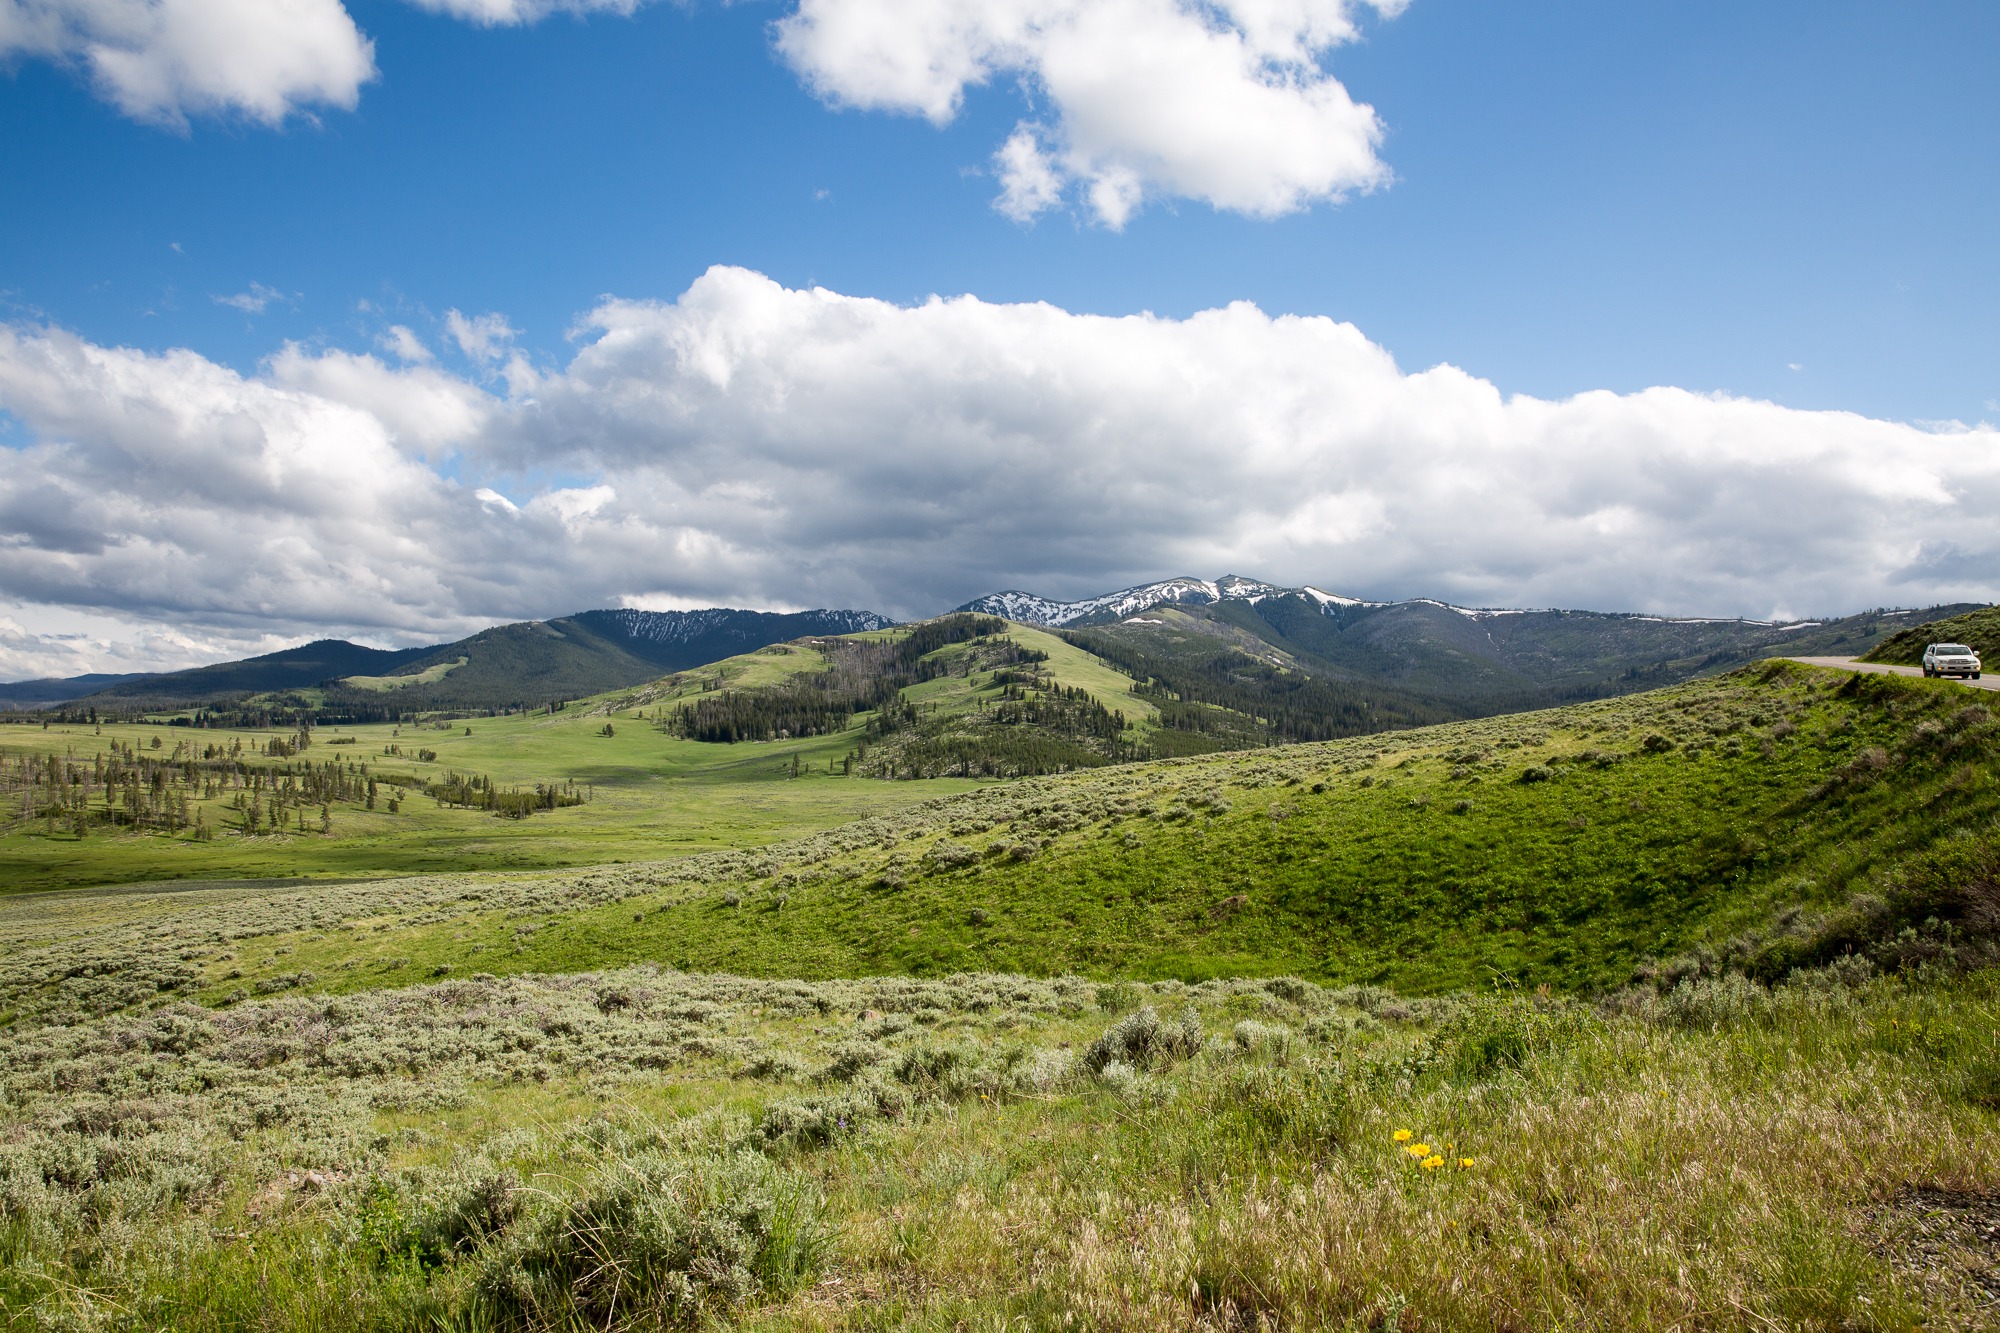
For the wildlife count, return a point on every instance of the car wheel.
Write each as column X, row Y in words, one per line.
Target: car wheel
column 1927, row 673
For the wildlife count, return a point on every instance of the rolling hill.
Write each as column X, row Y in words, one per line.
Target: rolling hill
column 55, row 689
column 1688, row 979
column 509, row 666
column 1978, row 628
column 1772, row 818
column 290, row 669
column 1236, row 638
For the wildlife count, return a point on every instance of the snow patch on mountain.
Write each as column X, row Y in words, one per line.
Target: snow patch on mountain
column 1048, row 613
column 687, row 626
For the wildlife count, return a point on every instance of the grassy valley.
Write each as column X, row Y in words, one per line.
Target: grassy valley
column 1734, row 820
column 174, row 806
column 1666, row 1010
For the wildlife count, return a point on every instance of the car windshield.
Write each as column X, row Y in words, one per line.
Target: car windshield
column 1957, row 649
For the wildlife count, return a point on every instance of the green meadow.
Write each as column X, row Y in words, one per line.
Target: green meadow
column 1672, row 1011
column 651, row 794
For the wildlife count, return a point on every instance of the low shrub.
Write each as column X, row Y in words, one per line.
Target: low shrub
column 434, row 1217
column 657, row 1239
column 1485, row 1034
column 1142, row 1039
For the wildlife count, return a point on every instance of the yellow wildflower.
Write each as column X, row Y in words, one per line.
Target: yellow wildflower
column 1465, row 1163
column 1432, row 1163
column 1402, row 1136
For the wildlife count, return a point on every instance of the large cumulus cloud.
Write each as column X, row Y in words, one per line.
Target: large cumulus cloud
column 751, row 444
column 1223, row 101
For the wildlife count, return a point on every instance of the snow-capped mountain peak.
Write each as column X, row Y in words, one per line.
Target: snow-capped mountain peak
column 1048, row 613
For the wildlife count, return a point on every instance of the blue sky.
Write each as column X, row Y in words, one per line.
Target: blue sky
column 1792, row 203
column 1586, row 196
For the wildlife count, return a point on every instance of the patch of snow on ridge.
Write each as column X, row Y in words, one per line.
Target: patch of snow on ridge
column 687, row 626
column 1048, row 613
column 1326, row 599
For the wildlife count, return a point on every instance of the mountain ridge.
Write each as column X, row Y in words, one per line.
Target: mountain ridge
column 629, row 646
column 1054, row 613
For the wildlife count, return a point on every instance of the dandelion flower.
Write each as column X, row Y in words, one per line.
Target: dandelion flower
column 1465, row 1163
column 1402, row 1136
column 1432, row 1163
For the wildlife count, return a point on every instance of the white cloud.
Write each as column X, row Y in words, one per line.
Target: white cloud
column 164, row 60
column 405, row 345
column 512, row 13
column 253, row 302
column 420, row 409
column 78, row 644
column 1030, row 184
column 1224, row 101
column 747, row 444
column 483, row 337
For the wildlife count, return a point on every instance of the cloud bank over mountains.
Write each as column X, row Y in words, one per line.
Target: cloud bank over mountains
column 748, row 444
column 1221, row 101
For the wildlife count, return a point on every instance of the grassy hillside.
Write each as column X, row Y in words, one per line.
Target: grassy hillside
column 966, row 696
column 651, row 796
column 651, row 793
column 644, row 1149
column 1055, row 1053
column 1979, row 629
column 1420, row 661
column 291, row 669
column 1732, row 819
column 528, row 664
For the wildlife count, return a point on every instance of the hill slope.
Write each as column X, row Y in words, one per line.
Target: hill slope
column 289, row 669
column 1978, row 628
column 55, row 689
column 1726, row 818
column 509, row 666
column 1452, row 661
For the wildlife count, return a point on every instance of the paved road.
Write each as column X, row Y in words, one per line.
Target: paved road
column 1986, row 682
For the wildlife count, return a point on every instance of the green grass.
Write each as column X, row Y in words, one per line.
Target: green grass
column 1050, row 1054
column 654, row 796
column 430, row 675
column 896, row 1154
column 1424, row 861
column 1979, row 629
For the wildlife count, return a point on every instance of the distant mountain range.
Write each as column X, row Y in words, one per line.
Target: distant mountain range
column 1240, row 643
column 1210, row 637
column 1044, row 613
column 508, row 665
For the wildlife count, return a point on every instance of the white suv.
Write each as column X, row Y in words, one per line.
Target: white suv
column 1951, row 659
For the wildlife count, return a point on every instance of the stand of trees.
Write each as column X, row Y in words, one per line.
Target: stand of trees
column 261, row 788
column 860, row 677
column 1282, row 705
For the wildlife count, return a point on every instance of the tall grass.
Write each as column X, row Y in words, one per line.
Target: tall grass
column 1723, row 1155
